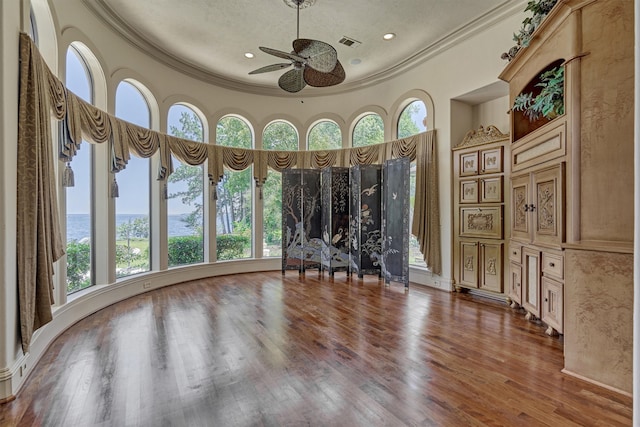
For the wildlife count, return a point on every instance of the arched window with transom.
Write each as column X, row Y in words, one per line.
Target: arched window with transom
column 234, row 195
column 278, row 135
column 411, row 121
column 78, row 197
column 185, row 193
column 133, row 249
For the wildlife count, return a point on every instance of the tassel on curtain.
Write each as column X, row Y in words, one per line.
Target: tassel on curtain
column 68, row 179
column 114, row 189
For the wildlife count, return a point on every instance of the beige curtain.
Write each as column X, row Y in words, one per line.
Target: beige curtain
column 426, row 211
column 42, row 96
column 38, row 239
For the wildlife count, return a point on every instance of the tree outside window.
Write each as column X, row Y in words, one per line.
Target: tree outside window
column 325, row 135
column 368, row 131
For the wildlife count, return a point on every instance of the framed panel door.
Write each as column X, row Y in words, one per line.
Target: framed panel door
column 548, row 186
column 491, row 266
column 520, row 218
column 531, row 281
column 469, row 264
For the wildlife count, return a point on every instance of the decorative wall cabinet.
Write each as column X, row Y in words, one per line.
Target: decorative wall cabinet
column 366, row 219
column 301, row 219
column 395, row 220
column 479, row 209
column 335, row 219
column 579, row 169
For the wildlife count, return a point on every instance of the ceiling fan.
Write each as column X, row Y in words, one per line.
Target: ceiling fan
column 315, row 63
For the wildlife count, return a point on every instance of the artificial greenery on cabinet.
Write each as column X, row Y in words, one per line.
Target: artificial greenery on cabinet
column 548, row 102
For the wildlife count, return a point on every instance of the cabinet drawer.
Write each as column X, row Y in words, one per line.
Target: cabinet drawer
column 515, row 253
column 553, row 265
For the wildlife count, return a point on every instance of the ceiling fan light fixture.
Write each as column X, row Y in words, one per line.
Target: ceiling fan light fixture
column 249, row 55
column 315, row 63
column 389, row 36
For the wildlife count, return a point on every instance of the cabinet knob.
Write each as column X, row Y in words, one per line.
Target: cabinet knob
column 518, row 284
column 546, row 300
column 552, row 264
column 526, row 208
column 532, row 208
column 515, row 253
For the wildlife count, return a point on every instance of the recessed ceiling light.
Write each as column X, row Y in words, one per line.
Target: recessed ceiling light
column 249, row 55
column 388, row 36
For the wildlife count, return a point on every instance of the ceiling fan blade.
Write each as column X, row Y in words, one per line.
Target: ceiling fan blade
column 319, row 55
column 281, row 54
column 318, row 79
column 272, row 67
column 292, row 81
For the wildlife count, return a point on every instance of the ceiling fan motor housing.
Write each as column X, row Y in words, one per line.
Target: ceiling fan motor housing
column 303, row 4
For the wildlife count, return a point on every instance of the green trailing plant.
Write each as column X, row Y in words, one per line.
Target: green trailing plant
column 549, row 102
column 539, row 9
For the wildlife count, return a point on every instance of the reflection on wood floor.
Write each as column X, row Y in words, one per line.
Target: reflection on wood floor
column 266, row 349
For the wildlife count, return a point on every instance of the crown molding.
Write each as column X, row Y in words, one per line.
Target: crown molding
column 104, row 13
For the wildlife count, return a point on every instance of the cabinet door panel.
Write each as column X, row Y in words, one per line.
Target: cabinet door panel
column 469, row 191
column 520, row 222
column 552, row 303
column 491, row 190
column 531, row 281
column 481, row 222
column 469, row 164
column 491, row 266
column 548, row 206
column 491, row 160
column 469, row 264
column 515, row 282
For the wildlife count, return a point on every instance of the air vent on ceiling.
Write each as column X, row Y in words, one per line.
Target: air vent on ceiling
column 348, row 41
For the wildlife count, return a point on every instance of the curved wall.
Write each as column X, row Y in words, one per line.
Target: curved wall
column 471, row 64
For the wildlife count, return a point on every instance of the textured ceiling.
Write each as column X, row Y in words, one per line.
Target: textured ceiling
column 208, row 38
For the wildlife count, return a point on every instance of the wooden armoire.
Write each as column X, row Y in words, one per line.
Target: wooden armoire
column 479, row 171
column 571, row 188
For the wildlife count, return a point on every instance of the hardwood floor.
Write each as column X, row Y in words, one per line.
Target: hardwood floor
column 266, row 349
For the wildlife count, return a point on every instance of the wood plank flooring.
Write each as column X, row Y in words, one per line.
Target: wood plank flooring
column 264, row 349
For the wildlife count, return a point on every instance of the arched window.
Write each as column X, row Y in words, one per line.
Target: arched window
column 185, row 193
column 233, row 223
column 413, row 120
column 368, row 131
column 78, row 205
column 278, row 135
column 33, row 28
column 325, row 135
column 133, row 204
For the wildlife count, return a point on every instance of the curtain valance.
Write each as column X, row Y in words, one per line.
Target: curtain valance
column 42, row 96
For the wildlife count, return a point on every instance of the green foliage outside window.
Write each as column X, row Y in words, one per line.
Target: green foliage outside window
column 78, row 266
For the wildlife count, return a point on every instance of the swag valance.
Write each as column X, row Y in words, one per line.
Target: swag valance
column 42, row 96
